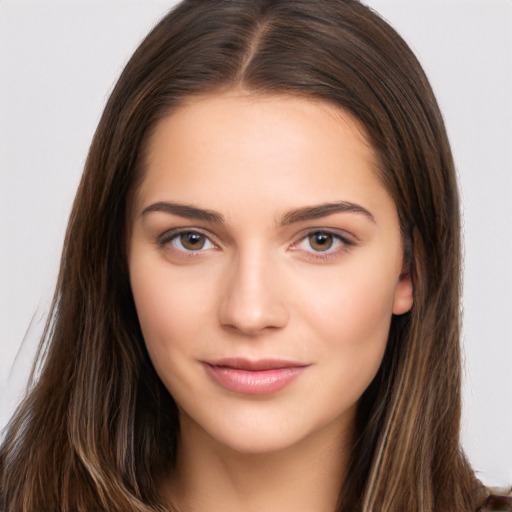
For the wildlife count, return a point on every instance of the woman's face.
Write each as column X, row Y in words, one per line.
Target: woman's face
column 265, row 261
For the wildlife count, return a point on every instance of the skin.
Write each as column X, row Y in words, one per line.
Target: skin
column 262, row 285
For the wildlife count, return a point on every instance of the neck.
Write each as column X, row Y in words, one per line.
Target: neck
column 210, row 477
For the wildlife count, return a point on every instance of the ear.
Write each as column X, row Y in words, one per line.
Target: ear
column 404, row 296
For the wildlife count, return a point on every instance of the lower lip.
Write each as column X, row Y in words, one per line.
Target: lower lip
column 253, row 382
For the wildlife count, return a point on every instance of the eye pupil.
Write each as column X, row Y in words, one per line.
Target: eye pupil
column 192, row 241
column 321, row 241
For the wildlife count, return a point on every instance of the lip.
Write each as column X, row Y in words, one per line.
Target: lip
column 254, row 377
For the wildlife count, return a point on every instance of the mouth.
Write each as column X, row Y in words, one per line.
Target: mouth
column 254, row 377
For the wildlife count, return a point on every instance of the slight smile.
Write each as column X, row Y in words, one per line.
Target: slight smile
column 258, row 377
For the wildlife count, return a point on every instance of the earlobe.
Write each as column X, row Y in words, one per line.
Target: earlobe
column 404, row 296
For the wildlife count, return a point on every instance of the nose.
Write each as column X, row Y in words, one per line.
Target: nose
column 253, row 301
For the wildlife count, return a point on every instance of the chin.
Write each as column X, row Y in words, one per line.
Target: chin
column 259, row 443
column 263, row 428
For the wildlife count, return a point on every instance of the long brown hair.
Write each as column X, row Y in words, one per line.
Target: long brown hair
column 97, row 426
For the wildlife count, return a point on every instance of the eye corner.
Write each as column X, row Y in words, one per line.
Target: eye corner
column 337, row 243
column 176, row 240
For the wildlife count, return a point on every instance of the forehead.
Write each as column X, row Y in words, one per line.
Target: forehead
column 255, row 114
column 252, row 148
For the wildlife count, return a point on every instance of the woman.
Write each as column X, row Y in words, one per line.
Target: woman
column 258, row 302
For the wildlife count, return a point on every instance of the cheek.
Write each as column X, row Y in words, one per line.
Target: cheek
column 353, row 326
column 169, row 312
column 351, row 321
column 353, row 302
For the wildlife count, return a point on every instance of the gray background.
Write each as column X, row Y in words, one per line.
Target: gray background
column 58, row 62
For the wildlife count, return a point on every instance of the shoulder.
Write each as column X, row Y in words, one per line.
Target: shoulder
column 497, row 503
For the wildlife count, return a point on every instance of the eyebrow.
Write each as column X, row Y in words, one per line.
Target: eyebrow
column 291, row 217
column 324, row 210
column 185, row 211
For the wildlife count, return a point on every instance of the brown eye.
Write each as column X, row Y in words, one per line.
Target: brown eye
column 187, row 242
column 192, row 241
column 320, row 241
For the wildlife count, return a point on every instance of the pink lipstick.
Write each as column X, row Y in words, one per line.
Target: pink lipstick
column 263, row 376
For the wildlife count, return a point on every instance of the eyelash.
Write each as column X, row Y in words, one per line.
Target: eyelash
column 341, row 243
column 169, row 237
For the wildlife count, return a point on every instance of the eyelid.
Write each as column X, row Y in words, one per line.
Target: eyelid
column 168, row 236
column 347, row 242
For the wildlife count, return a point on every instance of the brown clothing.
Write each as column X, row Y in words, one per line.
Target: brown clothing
column 497, row 503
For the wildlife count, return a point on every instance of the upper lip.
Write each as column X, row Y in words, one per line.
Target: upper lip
column 239, row 363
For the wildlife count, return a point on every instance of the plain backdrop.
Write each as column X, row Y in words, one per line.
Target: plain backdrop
column 60, row 59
